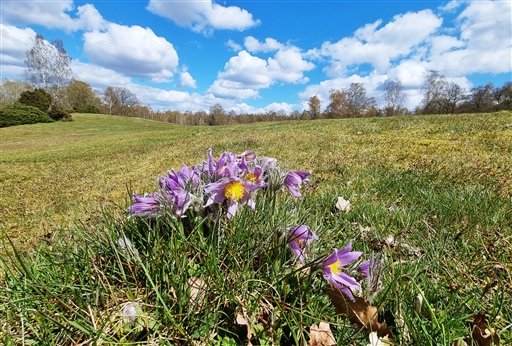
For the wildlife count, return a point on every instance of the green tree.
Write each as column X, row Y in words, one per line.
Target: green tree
column 80, row 95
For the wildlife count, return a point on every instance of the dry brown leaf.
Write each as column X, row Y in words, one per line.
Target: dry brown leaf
column 243, row 320
column 481, row 332
column 359, row 311
column 197, row 294
column 321, row 335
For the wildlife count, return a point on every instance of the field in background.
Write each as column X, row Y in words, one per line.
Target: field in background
column 52, row 175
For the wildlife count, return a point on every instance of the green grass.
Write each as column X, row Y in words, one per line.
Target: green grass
column 440, row 185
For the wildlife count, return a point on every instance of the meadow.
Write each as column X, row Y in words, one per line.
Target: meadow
column 432, row 194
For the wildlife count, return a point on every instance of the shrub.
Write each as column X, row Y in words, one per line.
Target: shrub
column 87, row 109
column 37, row 98
column 19, row 114
column 59, row 113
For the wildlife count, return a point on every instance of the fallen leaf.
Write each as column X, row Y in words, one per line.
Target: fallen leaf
column 321, row 335
column 481, row 332
column 359, row 312
column 343, row 204
column 243, row 320
column 197, row 294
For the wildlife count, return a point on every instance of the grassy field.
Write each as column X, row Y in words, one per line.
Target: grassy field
column 441, row 185
column 55, row 174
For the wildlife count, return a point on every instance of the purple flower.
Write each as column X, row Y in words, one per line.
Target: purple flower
column 294, row 180
column 147, row 205
column 333, row 269
column 234, row 191
column 371, row 271
column 298, row 238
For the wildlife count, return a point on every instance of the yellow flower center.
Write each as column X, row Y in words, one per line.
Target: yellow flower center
column 335, row 268
column 251, row 177
column 234, row 191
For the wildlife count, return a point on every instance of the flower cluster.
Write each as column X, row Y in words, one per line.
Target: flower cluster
column 231, row 180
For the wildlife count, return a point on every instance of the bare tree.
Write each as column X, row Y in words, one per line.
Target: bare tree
column 48, row 66
column 394, row 98
column 433, row 88
column 481, row 98
column 314, row 107
column 503, row 97
column 119, row 100
column 453, row 95
column 216, row 115
column 10, row 91
column 338, row 106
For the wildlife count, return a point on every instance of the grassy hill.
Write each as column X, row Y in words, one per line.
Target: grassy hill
column 58, row 173
column 432, row 194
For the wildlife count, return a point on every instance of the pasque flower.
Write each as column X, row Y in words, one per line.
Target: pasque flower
column 333, row 269
column 294, row 180
column 147, row 205
column 233, row 190
column 299, row 238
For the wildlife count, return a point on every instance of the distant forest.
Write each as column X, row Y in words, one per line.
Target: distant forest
column 48, row 69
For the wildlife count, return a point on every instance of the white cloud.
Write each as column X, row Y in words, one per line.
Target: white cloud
column 186, row 79
column 485, row 44
column 254, row 46
column 133, row 51
column 203, row 16
column 244, row 74
column 52, row 14
column 396, row 39
column 98, row 77
column 15, row 43
column 234, row 46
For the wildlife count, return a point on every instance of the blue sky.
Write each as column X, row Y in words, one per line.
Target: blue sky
column 258, row 56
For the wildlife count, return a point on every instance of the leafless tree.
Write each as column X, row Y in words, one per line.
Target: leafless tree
column 119, row 100
column 394, row 98
column 10, row 91
column 48, row 66
column 433, row 89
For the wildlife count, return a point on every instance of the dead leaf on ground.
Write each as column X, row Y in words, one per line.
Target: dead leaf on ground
column 321, row 335
column 197, row 294
column 243, row 319
column 359, row 311
column 482, row 334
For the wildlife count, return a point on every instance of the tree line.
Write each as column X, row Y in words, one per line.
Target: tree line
column 49, row 69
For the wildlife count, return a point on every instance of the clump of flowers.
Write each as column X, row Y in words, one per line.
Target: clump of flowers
column 231, row 181
column 212, row 194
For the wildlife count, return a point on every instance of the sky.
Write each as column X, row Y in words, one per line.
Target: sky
column 256, row 56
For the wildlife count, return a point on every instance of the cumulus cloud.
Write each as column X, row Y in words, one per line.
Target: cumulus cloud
column 234, row 46
column 133, row 51
column 203, row 16
column 186, row 79
column 52, row 14
column 484, row 45
column 98, row 77
column 245, row 74
column 254, row 46
column 378, row 46
column 15, row 43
